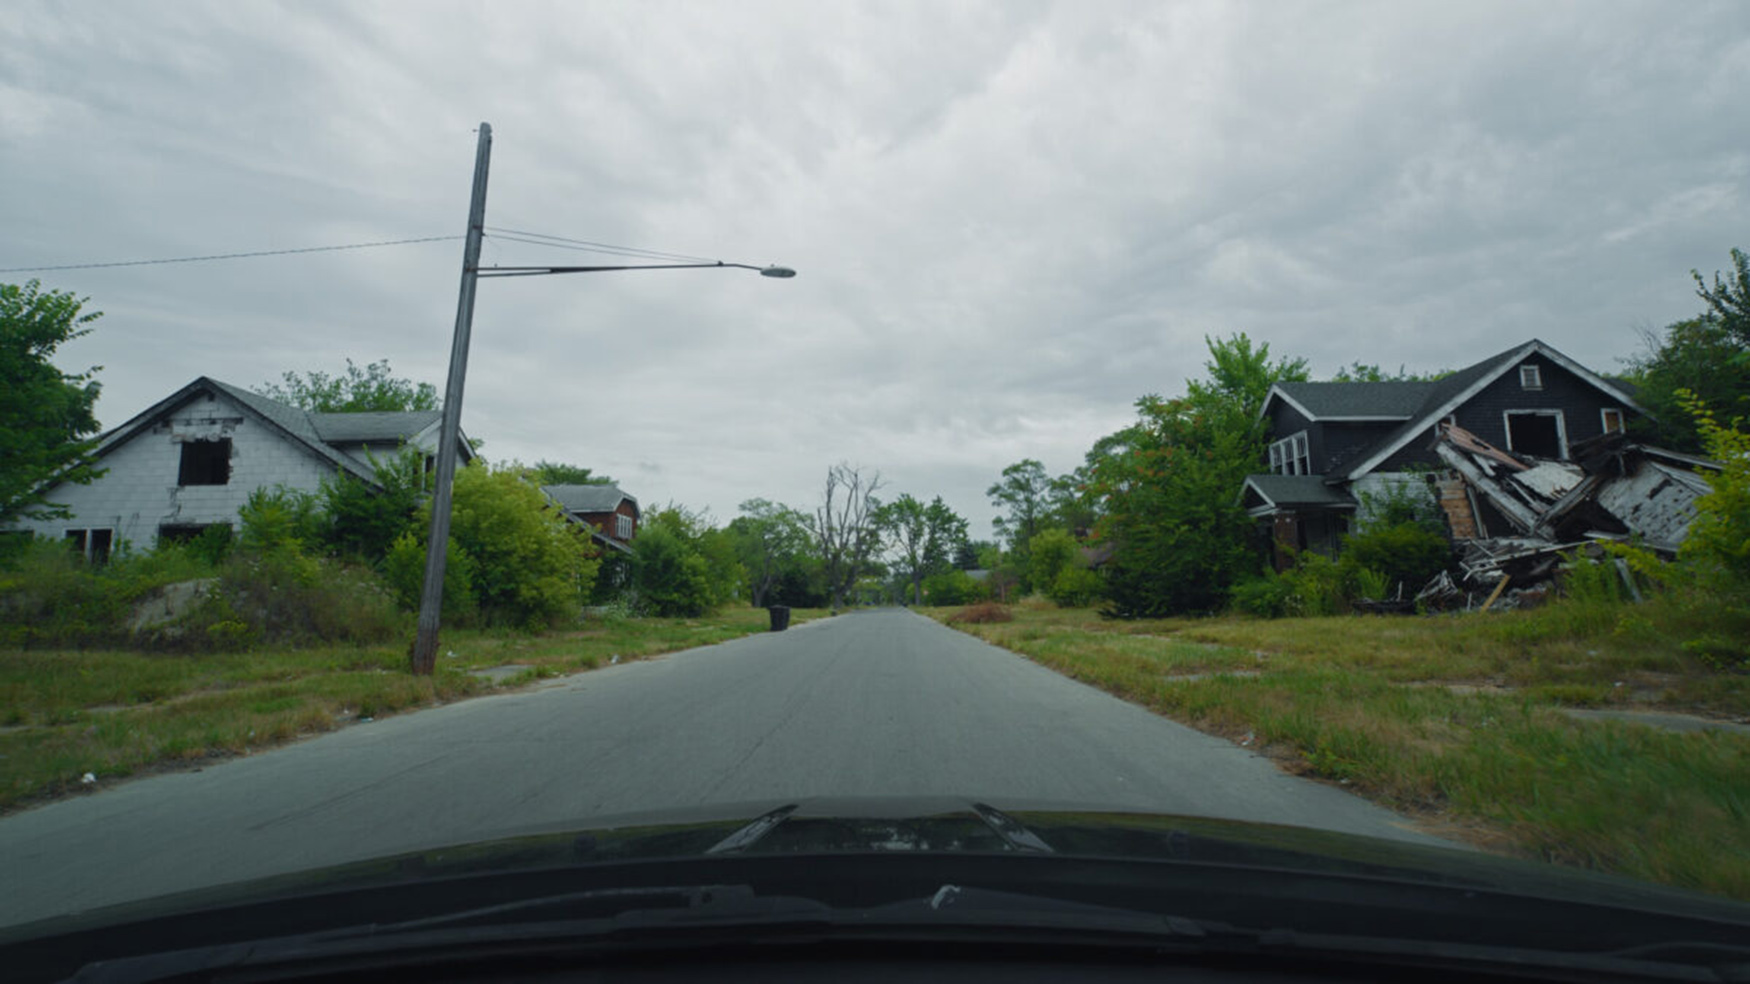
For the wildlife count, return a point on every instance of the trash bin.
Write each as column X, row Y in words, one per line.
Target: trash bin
column 780, row 617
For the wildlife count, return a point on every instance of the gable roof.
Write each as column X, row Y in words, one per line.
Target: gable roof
column 589, row 498
column 299, row 427
column 1448, row 394
column 373, row 427
column 1393, row 400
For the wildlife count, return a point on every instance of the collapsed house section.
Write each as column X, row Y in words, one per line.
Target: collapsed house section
column 1513, row 515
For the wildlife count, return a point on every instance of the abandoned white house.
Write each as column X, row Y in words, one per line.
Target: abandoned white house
column 191, row 460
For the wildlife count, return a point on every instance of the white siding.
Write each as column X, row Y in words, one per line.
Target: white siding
column 139, row 493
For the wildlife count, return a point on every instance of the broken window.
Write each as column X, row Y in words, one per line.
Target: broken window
column 1530, row 378
column 205, row 463
column 1612, row 419
column 93, row 545
column 1539, row 433
column 1290, row 456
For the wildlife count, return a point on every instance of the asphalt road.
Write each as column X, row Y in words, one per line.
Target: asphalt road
column 880, row 703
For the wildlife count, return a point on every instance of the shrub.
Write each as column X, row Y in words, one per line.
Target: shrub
column 953, row 587
column 983, row 612
column 285, row 597
column 279, row 518
column 532, row 568
column 670, row 578
column 1405, row 552
column 1075, row 587
column 365, row 522
column 1269, row 596
column 404, row 569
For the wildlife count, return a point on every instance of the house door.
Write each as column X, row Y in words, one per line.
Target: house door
column 1537, row 432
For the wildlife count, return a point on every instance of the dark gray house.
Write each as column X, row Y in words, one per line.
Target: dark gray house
column 1332, row 443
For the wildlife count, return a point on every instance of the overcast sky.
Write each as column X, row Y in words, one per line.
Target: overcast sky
column 1010, row 219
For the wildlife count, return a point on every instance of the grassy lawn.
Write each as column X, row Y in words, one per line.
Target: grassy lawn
column 116, row 713
column 1457, row 720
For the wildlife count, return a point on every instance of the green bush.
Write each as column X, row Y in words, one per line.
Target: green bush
column 1269, row 596
column 1406, row 552
column 953, row 587
column 404, row 569
column 285, row 597
column 365, row 522
column 669, row 577
column 1075, row 587
column 1048, row 554
column 279, row 518
column 532, row 568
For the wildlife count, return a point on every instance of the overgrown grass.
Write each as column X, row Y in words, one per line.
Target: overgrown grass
column 113, row 713
column 1458, row 719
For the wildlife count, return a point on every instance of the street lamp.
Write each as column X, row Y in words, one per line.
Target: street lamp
column 424, row 653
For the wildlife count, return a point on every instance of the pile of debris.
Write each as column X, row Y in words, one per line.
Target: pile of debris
column 1513, row 516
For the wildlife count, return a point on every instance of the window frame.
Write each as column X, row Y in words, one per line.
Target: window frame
column 1604, row 415
column 1531, row 377
column 622, row 526
column 93, row 543
column 1561, row 427
column 1291, row 455
column 207, row 462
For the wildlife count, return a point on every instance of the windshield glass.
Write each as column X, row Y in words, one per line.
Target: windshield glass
column 951, row 428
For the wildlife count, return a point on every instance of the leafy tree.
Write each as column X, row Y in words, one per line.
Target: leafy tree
column 365, row 522
column 531, row 568
column 672, row 579
column 924, row 535
column 966, row 554
column 1706, row 358
column 953, row 587
column 1719, row 540
column 1728, row 300
column 1024, row 496
column 1072, row 506
column 1698, row 356
column 1050, row 553
column 555, row 473
column 771, row 540
column 372, row 387
column 47, row 418
column 1169, row 483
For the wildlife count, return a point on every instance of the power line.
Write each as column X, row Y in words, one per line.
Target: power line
column 228, row 256
column 589, row 246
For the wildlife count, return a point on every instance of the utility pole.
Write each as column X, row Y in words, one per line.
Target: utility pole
column 431, row 599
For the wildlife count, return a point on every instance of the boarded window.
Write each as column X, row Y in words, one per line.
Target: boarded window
column 205, row 463
column 1530, row 377
column 1612, row 418
column 1538, row 434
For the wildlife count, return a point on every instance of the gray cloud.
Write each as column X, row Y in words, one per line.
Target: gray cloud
column 1011, row 219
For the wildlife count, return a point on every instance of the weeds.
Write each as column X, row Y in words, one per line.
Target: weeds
column 1458, row 718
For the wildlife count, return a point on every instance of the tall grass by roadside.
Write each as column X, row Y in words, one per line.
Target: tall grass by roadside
column 114, row 713
column 1457, row 719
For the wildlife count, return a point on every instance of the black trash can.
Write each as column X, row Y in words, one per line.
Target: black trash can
column 780, row 617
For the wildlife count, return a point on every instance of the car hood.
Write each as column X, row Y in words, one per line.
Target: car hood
column 925, row 826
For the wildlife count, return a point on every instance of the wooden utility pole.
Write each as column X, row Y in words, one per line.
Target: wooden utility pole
column 431, row 598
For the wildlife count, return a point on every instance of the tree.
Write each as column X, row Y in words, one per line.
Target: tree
column 926, row 536
column 1706, row 357
column 845, row 534
column 671, row 578
column 771, row 540
column 1363, row 372
column 531, row 568
column 1170, row 482
column 555, row 473
column 47, row 417
column 1728, row 301
column 365, row 521
column 372, row 387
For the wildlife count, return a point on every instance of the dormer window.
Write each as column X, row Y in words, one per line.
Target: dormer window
column 622, row 526
column 1530, row 377
column 1290, row 456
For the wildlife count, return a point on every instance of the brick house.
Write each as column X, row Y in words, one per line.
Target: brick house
column 1336, row 443
column 191, row 460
